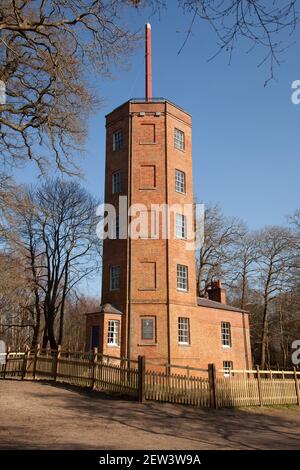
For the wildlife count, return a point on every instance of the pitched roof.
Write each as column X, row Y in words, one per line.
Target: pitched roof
column 202, row 302
column 106, row 308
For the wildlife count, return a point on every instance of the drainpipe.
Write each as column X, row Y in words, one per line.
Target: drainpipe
column 129, row 243
column 245, row 342
column 167, row 238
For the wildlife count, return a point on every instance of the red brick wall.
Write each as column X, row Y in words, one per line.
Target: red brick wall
column 102, row 320
column 205, row 341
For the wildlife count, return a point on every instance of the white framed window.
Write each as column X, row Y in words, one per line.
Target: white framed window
column 113, row 332
column 179, row 140
column 227, row 368
column 226, row 334
column 182, row 277
column 115, row 277
column 116, row 182
column 183, row 330
column 117, row 140
column 180, row 226
column 148, row 329
column 180, row 185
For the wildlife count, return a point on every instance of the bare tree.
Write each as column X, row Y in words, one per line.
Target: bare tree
column 241, row 268
column 264, row 24
column 46, row 48
column 16, row 324
column 220, row 235
column 75, row 321
column 57, row 237
column 275, row 254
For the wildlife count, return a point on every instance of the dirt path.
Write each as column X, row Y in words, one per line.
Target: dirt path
column 44, row 416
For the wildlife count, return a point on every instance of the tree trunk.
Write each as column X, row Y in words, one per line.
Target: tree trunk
column 244, row 286
column 45, row 336
column 62, row 307
column 37, row 326
column 264, row 336
column 61, row 324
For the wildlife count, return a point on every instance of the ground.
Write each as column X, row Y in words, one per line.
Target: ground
column 36, row 415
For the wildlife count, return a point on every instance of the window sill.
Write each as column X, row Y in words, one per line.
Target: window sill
column 148, row 189
column 148, row 143
column 185, row 291
column 184, row 344
column 179, row 192
column 150, row 289
column 149, row 238
column 147, row 344
column 113, row 345
column 226, row 347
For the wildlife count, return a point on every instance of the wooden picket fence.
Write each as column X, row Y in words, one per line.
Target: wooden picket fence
column 258, row 387
column 177, row 388
column 82, row 369
column 199, row 387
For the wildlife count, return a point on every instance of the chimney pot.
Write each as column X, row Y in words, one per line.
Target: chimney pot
column 216, row 292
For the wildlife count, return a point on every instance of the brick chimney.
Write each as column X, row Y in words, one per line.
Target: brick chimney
column 216, row 292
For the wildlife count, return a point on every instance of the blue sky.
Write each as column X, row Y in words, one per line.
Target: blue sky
column 245, row 135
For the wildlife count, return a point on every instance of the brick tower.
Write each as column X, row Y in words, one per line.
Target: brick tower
column 149, row 160
column 149, row 302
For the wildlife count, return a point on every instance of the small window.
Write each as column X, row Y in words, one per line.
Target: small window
column 180, row 182
column 180, row 226
column 115, row 277
column 117, row 140
column 226, row 334
column 182, row 277
column 113, row 332
column 227, row 368
column 148, row 329
column 116, row 182
column 183, row 330
column 179, row 139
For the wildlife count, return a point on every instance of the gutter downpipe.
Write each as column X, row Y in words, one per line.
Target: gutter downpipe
column 167, row 237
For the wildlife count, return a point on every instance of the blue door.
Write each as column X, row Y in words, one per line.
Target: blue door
column 95, row 336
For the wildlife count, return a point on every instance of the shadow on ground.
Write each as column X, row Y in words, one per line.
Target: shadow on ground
column 63, row 416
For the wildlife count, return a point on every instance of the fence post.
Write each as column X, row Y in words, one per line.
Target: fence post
column 297, row 386
column 36, row 353
column 212, row 385
column 259, row 386
column 94, row 366
column 24, row 365
column 6, row 361
column 141, row 378
column 56, row 362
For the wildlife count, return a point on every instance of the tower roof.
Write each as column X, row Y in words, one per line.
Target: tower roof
column 152, row 101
